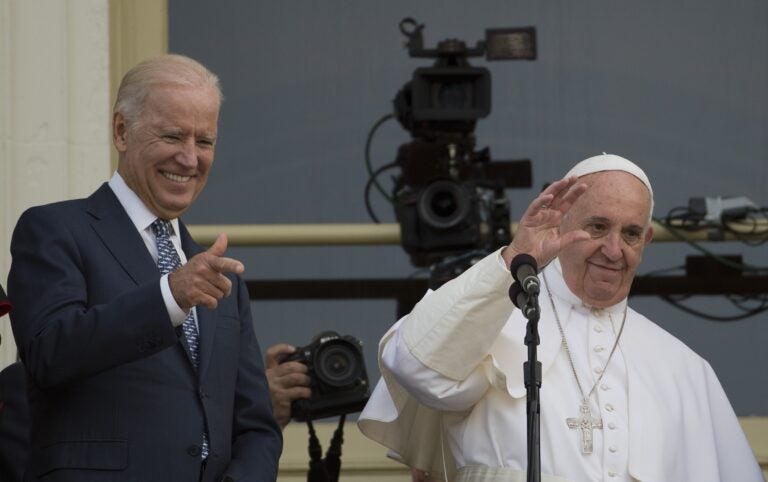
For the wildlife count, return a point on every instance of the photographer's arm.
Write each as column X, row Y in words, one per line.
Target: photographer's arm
column 287, row 381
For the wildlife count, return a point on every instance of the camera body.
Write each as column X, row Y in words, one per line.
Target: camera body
column 450, row 199
column 339, row 381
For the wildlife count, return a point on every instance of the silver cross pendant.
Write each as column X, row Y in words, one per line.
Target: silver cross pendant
column 586, row 423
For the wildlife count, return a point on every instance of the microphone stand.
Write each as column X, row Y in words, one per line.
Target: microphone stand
column 524, row 293
column 532, row 378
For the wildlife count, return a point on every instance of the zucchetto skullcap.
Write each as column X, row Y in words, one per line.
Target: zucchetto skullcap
column 611, row 162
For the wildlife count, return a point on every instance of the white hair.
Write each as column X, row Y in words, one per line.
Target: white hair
column 167, row 69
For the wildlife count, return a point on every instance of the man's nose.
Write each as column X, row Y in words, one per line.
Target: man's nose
column 187, row 155
column 612, row 247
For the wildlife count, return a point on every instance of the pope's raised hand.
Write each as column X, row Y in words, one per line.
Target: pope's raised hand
column 538, row 233
column 201, row 280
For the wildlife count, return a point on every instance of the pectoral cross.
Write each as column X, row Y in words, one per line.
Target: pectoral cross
column 586, row 423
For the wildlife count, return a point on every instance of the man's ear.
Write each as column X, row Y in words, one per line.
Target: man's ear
column 119, row 132
column 648, row 235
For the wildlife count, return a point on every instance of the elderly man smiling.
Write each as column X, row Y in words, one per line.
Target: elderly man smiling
column 141, row 353
column 622, row 400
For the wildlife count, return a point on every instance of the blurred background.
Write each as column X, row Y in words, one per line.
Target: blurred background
column 679, row 88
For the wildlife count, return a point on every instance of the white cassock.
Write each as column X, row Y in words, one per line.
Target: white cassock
column 452, row 398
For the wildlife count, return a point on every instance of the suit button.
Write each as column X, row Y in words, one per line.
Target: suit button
column 201, row 393
column 194, row 450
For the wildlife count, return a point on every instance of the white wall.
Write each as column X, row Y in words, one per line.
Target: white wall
column 54, row 112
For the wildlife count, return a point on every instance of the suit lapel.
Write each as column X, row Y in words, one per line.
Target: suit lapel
column 118, row 233
column 206, row 319
column 116, row 230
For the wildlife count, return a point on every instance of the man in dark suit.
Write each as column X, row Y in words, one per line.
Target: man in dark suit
column 14, row 414
column 14, row 423
column 142, row 359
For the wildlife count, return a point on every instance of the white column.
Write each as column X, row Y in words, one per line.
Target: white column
column 54, row 112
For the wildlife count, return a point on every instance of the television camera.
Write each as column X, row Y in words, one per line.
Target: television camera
column 449, row 197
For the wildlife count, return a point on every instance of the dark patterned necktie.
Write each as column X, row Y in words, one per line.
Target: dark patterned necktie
column 167, row 261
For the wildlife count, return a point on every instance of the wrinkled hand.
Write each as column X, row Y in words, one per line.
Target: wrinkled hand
column 287, row 381
column 201, row 280
column 538, row 232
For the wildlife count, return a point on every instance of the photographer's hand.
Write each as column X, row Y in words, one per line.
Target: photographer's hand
column 287, row 381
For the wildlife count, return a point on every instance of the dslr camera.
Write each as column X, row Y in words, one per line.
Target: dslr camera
column 339, row 381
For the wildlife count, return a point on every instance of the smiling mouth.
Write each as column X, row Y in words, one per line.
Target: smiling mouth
column 607, row 268
column 175, row 177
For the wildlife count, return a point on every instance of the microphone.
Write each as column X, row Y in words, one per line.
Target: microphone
column 523, row 301
column 524, row 271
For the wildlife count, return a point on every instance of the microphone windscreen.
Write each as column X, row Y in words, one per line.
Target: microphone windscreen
column 515, row 290
column 520, row 260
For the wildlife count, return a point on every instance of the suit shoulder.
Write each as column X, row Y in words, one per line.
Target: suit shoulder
column 56, row 208
column 65, row 212
column 72, row 207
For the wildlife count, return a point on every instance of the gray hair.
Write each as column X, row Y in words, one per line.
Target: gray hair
column 167, row 69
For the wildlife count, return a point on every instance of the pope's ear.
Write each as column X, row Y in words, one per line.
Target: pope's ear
column 119, row 132
column 648, row 235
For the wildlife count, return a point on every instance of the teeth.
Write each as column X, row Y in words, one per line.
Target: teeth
column 176, row 177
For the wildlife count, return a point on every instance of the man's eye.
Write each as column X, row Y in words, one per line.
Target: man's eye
column 632, row 237
column 596, row 228
column 171, row 137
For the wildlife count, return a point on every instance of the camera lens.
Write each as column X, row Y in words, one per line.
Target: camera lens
column 338, row 364
column 453, row 95
column 443, row 204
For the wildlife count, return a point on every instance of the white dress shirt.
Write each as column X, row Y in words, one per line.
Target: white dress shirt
column 142, row 219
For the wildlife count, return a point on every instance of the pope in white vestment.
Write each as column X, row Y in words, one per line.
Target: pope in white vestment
column 452, row 399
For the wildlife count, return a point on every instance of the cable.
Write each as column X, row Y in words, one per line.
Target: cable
column 753, row 216
column 367, row 191
column 685, row 221
column 368, row 163
column 727, row 262
column 742, row 303
column 680, row 306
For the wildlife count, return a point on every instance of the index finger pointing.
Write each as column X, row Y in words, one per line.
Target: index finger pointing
column 226, row 265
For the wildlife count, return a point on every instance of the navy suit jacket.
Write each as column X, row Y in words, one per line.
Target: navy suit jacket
column 113, row 393
column 14, row 423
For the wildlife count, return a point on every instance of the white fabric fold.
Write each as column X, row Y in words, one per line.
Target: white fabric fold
column 681, row 426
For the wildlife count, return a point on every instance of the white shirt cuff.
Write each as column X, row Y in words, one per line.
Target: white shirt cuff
column 175, row 312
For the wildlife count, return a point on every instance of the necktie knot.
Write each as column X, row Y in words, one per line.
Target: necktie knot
column 161, row 228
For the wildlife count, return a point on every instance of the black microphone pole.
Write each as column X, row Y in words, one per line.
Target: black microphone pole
column 524, row 293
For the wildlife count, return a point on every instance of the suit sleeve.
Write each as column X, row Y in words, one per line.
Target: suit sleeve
column 64, row 331
column 257, row 441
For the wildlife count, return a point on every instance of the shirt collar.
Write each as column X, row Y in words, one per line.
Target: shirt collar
column 139, row 213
